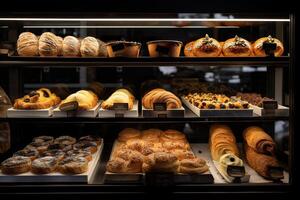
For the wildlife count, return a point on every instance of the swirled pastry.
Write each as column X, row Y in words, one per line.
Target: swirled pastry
column 44, row 165
column 71, row 46
column 237, row 46
column 28, row 44
column 160, row 95
column 119, row 96
column 86, row 99
column 49, row 44
column 92, row 47
column 40, row 99
column 206, row 47
column 258, row 46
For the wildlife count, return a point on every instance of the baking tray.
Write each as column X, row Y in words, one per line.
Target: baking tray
column 254, row 177
column 79, row 113
column 218, row 112
column 120, row 112
column 22, row 113
column 56, row 177
column 157, row 179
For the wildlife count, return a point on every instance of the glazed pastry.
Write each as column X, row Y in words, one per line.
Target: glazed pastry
column 73, row 165
column 171, row 135
column 80, row 153
column 86, row 100
column 258, row 46
column 182, row 154
column 87, row 146
column 188, row 49
column 71, row 46
column 129, row 133
column 27, row 44
column 221, row 142
column 40, row 99
column 92, row 47
column 119, row 96
column 161, row 162
column 236, row 47
column 261, row 163
column 31, row 153
column 49, row 44
column 215, row 101
column 66, row 140
column 91, row 138
column 151, row 135
column 136, row 144
column 16, row 165
column 43, row 139
column 259, row 140
column 57, row 153
column 161, row 96
column 44, row 165
column 193, row 166
column 206, row 47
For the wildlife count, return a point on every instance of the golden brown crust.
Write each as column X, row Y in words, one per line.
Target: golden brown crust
column 86, row 99
column 27, row 44
column 40, row 99
column 171, row 135
column 16, row 165
column 160, row 95
column 206, row 47
column 71, row 46
column 119, row 96
column 162, row 162
column 258, row 46
column 237, row 47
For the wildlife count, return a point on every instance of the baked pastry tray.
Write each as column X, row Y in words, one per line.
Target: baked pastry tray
column 134, row 112
column 218, row 112
column 22, row 113
column 254, row 177
column 80, row 113
column 169, row 113
column 111, row 178
column 56, row 177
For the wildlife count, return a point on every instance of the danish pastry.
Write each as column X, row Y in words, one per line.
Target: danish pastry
column 91, row 138
column 40, row 99
column 129, row 133
column 206, row 47
column 92, row 47
column 188, row 49
column 57, row 153
column 258, row 46
column 151, row 135
column 171, row 135
column 193, row 166
column 16, row 165
column 161, row 162
column 66, row 140
column 31, row 153
column 49, row 44
column 44, row 165
column 27, row 44
column 80, row 153
column 71, row 46
column 237, row 46
column 86, row 145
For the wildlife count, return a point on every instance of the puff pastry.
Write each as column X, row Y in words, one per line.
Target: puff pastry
column 86, row 99
column 119, row 96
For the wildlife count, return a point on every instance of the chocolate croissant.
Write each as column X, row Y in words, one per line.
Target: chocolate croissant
column 261, row 163
column 260, row 141
column 160, row 95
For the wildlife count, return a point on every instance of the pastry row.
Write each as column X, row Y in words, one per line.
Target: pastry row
column 48, row 44
column 154, row 150
column 46, row 154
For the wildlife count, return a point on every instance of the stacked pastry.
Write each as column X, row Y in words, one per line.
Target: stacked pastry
column 81, row 100
column 154, row 150
column 260, row 151
column 233, row 47
column 46, row 155
column 253, row 98
column 119, row 96
column 223, row 148
column 215, row 101
column 48, row 44
column 160, row 95
column 40, row 99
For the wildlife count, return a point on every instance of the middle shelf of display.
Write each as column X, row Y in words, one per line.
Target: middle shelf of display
column 18, row 61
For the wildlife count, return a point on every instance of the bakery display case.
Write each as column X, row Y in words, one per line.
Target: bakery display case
column 122, row 104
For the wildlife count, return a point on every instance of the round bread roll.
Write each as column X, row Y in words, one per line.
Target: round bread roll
column 258, row 46
column 206, row 47
column 60, row 45
column 49, row 44
column 188, row 49
column 237, row 47
column 71, row 46
column 28, row 44
column 92, row 47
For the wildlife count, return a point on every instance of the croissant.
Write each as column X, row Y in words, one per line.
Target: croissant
column 119, row 96
column 86, row 99
column 222, row 141
column 260, row 162
column 260, row 141
column 161, row 96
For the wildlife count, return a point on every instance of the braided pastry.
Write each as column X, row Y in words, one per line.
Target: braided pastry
column 44, row 165
column 193, row 166
column 161, row 96
column 258, row 46
column 16, row 165
column 237, row 46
